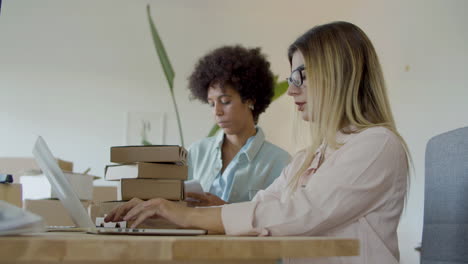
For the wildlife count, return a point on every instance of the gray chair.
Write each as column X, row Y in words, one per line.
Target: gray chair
column 445, row 230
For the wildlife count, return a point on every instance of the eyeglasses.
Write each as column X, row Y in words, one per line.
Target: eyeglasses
column 296, row 77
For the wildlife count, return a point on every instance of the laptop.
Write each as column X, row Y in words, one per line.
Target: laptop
column 72, row 204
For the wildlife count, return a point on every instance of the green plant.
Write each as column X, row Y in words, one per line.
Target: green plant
column 167, row 67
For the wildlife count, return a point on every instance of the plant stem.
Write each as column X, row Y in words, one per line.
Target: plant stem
column 178, row 118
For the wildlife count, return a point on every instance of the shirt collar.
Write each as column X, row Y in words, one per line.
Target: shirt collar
column 219, row 139
column 251, row 147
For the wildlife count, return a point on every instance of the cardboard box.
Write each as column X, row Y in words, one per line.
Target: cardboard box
column 65, row 165
column 103, row 208
column 152, row 188
column 104, row 193
column 27, row 166
column 12, row 193
column 82, row 184
column 52, row 211
column 146, row 170
column 153, row 153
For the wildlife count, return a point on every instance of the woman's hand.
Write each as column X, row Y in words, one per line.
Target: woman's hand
column 117, row 214
column 158, row 207
column 177, row 213
column 206, row 199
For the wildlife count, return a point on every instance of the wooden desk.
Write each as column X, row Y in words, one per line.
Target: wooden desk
column 70, row 247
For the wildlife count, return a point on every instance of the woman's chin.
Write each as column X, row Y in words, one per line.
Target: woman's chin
column 228, row 131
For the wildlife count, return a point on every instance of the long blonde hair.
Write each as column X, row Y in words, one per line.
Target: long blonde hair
column 345, row 85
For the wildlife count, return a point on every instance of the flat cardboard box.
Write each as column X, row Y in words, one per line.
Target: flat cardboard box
column 82, row 184
column 52, row 211
column 146, row 170
column 12, row 193
column 18, row 166
column 152, row 188
column 101, row 209
column 152, row 153
column 104, row 193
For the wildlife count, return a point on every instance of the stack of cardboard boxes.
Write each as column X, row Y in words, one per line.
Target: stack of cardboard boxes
column 146, row 172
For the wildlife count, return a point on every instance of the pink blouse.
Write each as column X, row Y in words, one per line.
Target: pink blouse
column 357, row 192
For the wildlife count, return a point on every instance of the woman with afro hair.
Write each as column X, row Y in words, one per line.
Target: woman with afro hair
column 237, row 84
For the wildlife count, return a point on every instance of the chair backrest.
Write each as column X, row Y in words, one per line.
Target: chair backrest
column 445, row 230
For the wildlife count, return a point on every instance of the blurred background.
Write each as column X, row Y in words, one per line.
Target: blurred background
column 82, row 73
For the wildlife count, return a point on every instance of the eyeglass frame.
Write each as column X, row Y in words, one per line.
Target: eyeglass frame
column 299, row 70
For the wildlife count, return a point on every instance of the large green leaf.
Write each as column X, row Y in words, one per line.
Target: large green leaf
column 279, row 89
column 213, row 130
column 163, row 58
column 167, row 67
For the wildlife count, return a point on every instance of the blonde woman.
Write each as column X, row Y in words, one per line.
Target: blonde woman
column 351, row 182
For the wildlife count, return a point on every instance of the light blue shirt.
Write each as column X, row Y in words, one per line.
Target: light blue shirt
column 255, row 166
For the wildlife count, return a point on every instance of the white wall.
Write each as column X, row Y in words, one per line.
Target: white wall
column 70, row 70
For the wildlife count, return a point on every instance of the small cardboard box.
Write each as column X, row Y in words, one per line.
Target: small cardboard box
column 52, row 211
column 146, row 170
column 151, row 153
column 104, row 193
column 38, row 186
column 12, row 193
column 82, row 184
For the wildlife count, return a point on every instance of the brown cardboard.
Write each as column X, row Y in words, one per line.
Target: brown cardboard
column 65, row 165
column 153, row 153
column 104, row 193
column 52, row 211
column 146, row 170
column 82, row 184
column 12, row 193
column 24, row 165
column 152, row 188
column 103, row 208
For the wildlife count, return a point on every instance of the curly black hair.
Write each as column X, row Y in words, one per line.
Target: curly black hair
column 246, row 70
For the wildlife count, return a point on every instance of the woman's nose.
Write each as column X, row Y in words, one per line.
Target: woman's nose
column 293, row 90
column 218, row 109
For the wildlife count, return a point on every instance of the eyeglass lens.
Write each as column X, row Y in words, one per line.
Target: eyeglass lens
column 296, row 77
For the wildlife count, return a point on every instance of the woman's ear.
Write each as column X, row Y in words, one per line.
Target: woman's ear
column 250, row 104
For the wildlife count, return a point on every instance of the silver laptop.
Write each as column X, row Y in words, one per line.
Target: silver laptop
column 72, row 204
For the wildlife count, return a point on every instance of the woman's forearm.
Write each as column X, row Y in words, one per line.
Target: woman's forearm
column 208, row 218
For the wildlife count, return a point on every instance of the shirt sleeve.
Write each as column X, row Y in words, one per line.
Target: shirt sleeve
column 359, row 180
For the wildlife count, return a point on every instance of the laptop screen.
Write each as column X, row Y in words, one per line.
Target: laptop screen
column 60, row 184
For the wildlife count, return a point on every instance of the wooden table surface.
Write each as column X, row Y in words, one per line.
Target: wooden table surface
column 75, row 247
